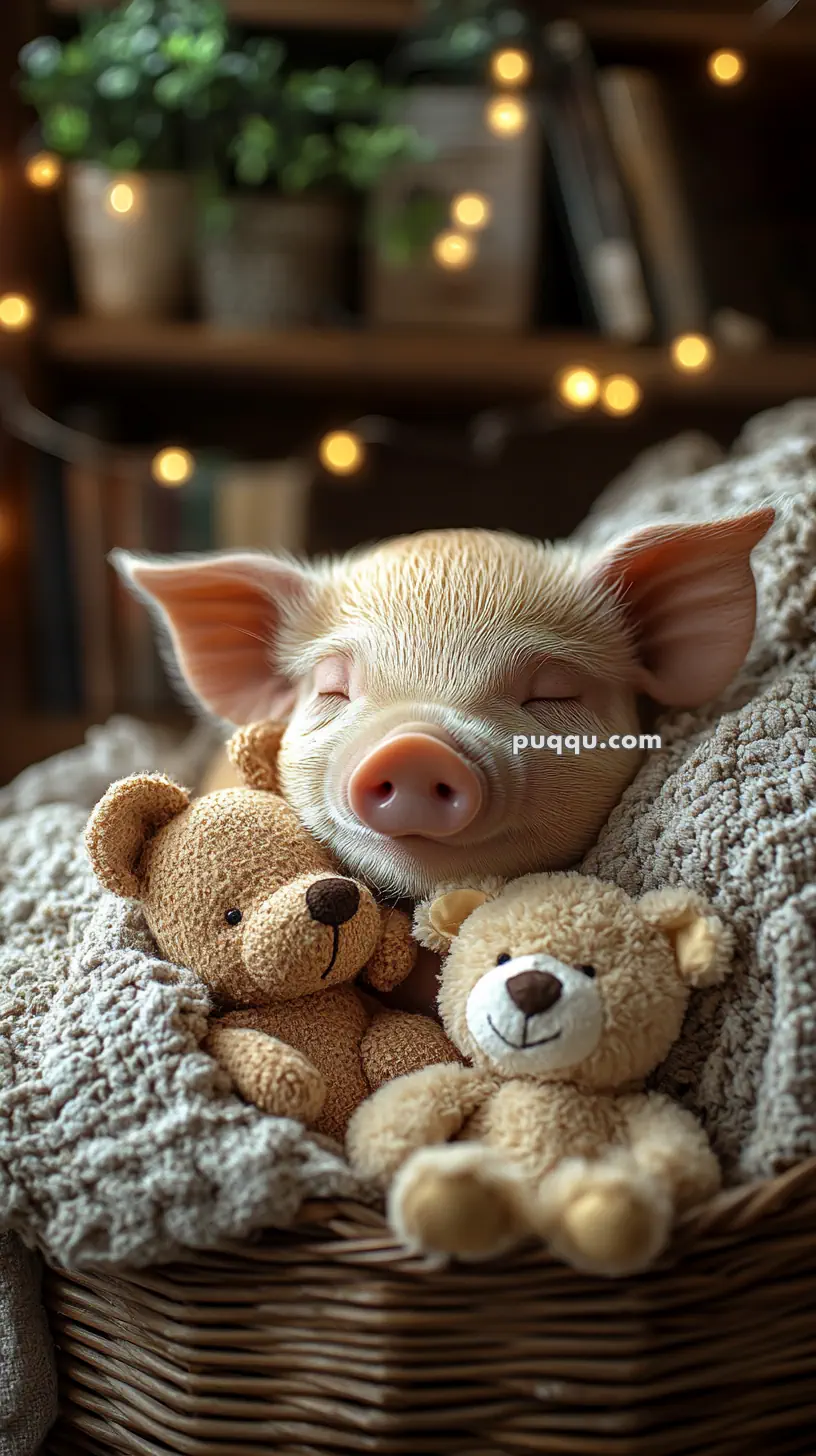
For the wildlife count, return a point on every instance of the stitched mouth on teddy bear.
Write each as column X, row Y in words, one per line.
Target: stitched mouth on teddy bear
column 335, row 947
column 524, row 1045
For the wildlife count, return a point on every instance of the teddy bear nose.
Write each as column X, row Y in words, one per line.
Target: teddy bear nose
column 332, row 902
column 534, row 991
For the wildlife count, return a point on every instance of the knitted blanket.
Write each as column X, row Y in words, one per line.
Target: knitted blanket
column 119, row 1141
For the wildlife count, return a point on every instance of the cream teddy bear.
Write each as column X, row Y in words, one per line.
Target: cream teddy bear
column 564, row 994
column 236, row 889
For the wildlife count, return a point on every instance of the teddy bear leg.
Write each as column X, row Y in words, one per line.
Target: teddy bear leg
column 460, row 1201
column 273, row 1076
column 399, row 1042
column 668, row 1143
column 606, row 1216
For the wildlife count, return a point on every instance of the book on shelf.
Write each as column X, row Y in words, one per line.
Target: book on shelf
column 639, row 128
column 592, row 192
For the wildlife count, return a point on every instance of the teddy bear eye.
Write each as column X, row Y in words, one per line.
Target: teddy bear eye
column 505, row 956
column 588, row 971
column 233, row 917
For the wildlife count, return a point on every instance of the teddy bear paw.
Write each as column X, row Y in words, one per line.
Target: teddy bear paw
column 458, row 1201
column 606, row 1217
column 287, row 1085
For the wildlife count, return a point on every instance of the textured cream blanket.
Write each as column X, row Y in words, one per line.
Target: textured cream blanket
column 119, row 1141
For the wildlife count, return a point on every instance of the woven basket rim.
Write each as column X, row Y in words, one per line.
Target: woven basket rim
column 363, row 1228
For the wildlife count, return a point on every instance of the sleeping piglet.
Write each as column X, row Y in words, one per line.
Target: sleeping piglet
column 407, row 669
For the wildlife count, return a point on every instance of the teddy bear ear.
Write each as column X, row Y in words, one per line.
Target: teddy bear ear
column 703, row 944
column 438, row 920
column 123, row 821
column 253, row 750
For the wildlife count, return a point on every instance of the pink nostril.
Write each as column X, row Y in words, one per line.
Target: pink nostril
column 416, row 783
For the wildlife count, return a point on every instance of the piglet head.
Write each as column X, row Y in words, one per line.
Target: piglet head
column 406, row 671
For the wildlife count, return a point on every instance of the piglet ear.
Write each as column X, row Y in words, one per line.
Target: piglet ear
column 123, row 821
column 703, row 944
column 254, row 752
column 223, row 615
column 690, row 597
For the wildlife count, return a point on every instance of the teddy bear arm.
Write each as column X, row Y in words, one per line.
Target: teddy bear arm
column 669, row 1143
column 398, row 1042
column 413, row 1112
column 265, row 1071
column 395, row 954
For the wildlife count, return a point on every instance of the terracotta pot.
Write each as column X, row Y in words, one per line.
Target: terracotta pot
column 130, row 238
column 279, row 262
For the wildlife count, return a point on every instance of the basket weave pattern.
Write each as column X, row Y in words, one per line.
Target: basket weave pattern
column 330, row 1339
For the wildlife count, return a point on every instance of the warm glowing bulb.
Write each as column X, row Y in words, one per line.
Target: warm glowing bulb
column 578, row 387
column 620, row 394
column 471, row 210
column 342, row 452
column 692, row 352
column 726, row 68
column 122, row 199
column 43, row 170
column 454, row 250
column 16, row 312
column 172, row 466
column 505, row 116
column 511, row 68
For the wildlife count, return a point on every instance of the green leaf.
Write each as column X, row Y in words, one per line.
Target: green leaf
column 117, row 82
column 66, row 129
column 125, row 156
column 41, row 57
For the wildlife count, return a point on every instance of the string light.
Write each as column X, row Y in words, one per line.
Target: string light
column 620, row 394
column 578, row 387
column 471, row 210
column 43, row 170
column 454, row 251
column 122, row 199
column 16, row 312
column 726, row 68
column 506, row 116
column 172, row 466
column 510, row 67
column 342, row 452
column 692, row 353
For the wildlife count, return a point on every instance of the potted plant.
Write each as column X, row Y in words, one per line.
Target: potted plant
column 102, row 101
column 288, row 151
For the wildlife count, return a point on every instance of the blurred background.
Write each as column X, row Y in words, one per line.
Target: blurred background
column 304, row 273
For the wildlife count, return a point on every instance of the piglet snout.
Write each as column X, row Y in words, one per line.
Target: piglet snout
column 415, row 783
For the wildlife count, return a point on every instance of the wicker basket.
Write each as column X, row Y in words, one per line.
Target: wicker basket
column 330, row 1339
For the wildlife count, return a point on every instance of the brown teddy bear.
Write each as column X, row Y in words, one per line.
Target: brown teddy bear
column 565, row 994
column 236, row 889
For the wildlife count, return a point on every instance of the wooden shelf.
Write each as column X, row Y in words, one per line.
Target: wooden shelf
column 386, row 362
column 632, row 24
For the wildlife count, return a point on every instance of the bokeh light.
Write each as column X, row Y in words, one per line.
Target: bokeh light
column 506, row 116
column 692, row 353
column 454, row 251
column 471, row 210
column 172, row 466
column 726, row 68
column 620, row 394
column 16, row 312
column 510, row 67
column 342, row 452
column 578, row 387
column 43, row 170
column 122, row 199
